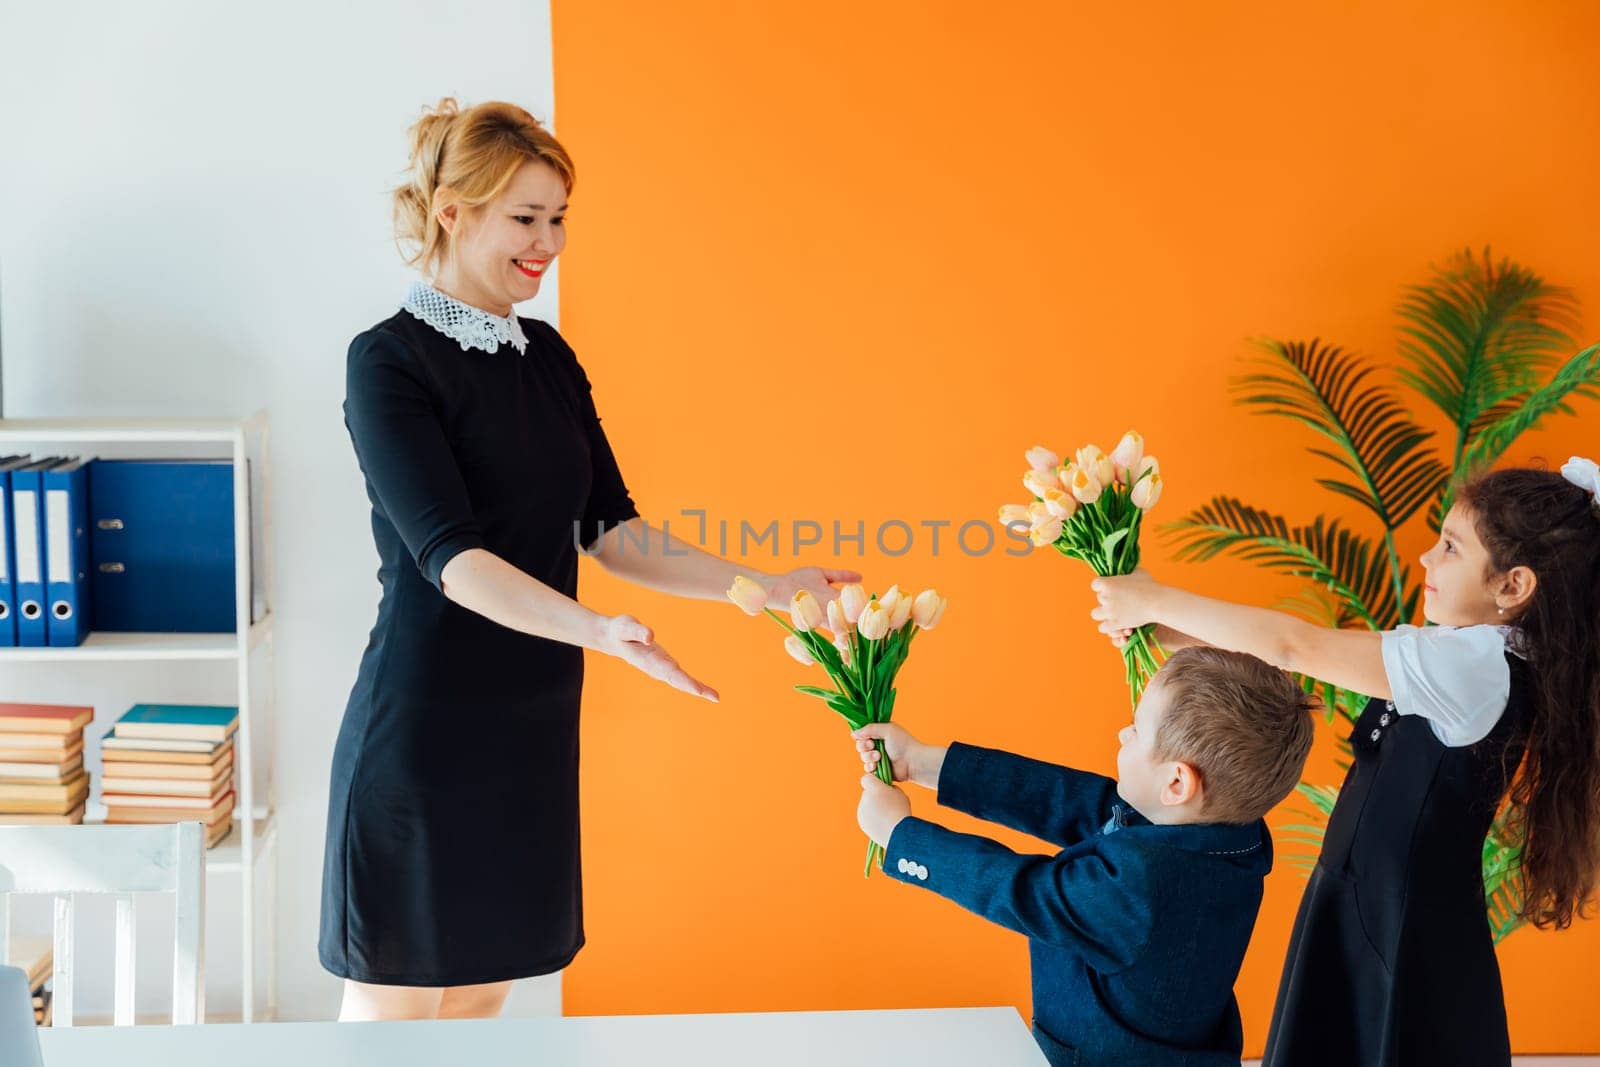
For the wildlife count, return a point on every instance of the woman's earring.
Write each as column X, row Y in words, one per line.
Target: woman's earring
column 1499, row 611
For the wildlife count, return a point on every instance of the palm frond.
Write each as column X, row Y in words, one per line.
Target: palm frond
column 1390, row 469
column 1301, row 843
column 1353, row 569
column 1480, row 333
column 1579, row 375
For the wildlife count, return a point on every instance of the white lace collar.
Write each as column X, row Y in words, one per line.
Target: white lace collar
column 468, row 326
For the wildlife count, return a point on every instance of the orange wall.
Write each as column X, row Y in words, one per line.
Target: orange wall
column 846, row 260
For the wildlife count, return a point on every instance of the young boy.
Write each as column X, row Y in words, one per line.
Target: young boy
column 1138, row 926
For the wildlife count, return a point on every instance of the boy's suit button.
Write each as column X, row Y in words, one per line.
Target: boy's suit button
column 922, row 873
column 1383, row 720
column 904, row 865
column 1376, row 734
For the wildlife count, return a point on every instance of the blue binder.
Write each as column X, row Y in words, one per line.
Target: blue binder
column 8, row 557
column 161, row 537
column 27, row 528
column 66, row 553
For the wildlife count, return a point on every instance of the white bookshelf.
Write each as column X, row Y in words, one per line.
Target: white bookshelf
column 249, row 851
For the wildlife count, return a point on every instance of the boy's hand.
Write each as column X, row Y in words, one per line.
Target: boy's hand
column 910, row 759
column 1127, row 602
column 881, row 809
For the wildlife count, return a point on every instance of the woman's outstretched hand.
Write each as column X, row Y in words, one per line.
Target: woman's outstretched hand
column 820, row 581
column 634, row 643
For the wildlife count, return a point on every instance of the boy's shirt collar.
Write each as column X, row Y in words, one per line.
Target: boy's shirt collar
column 1214, row 838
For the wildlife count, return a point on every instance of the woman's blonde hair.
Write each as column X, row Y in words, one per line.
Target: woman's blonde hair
column 474, row 153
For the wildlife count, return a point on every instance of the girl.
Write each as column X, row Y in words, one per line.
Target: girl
column 452, row 848
column 1392, row 961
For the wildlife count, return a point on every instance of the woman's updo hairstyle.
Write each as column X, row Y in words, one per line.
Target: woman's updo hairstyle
column 474, row 153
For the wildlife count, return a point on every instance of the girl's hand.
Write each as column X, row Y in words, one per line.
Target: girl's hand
column 1127, row 602
column 781, row 588
column 633, row 642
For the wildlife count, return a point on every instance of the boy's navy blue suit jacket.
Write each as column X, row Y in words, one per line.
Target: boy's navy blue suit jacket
column 1136, row 931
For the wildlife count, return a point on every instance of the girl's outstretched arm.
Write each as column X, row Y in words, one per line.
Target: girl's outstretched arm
column 1349, row 659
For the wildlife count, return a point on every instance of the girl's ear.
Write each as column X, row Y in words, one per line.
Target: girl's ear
column 1514, row 589
column 1182, row 786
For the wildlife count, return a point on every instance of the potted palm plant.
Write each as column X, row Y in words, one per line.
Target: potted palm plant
column 1489, row 344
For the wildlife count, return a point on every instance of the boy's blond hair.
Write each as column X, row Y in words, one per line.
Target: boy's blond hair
column 1240, row 722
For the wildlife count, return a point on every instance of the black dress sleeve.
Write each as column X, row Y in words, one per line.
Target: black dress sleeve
column 411, row 474
column 609, row 504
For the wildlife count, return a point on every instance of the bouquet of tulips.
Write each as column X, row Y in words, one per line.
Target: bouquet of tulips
column 863, row 646
column 1090, row 509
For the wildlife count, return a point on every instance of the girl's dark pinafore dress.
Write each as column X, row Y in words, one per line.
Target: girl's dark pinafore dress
column 1392, row 961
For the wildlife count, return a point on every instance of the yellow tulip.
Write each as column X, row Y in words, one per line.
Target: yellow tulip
column 1038, row 482
column 900, row 612
column 1087, row 456
column 1045, row 533
column 1105, row 471
column 1148, row 491
column 852, row 598
column 874, row 621
column 1060, row 505
column 797, row 648
column 1041, row 458
column 1085, row 486
column 1148, row 463
column 928, row 609
column 1038, row 512
column 836, row 621
column 805, row 612
column 1010, row 513
column 748, row 594
column 1066, row 474
column 1128, row 453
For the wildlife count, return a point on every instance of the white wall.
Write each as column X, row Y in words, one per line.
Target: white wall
column 193, row 220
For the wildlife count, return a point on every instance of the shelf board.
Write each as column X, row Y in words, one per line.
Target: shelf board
column 124, row 646
column 228, row 855
column 133, row 430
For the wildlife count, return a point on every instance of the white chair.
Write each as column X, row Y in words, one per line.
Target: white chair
column 120, row 861
column 18, row 1036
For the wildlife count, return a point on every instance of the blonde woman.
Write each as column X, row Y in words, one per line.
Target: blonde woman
column 452, row 858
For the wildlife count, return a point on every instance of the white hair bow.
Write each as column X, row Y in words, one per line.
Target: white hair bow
column 1583, row 473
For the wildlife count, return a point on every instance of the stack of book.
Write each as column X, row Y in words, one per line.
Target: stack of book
column 34, row 954
column 42, row 779
column 171, row 763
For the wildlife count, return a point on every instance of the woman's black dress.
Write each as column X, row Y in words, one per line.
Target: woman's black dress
column 452, row 848
column 1392, row 962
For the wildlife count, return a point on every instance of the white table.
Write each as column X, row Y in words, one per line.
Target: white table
column 994, row 1037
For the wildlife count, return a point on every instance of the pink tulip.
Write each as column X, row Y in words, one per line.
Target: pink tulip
column 853, row 598
column 874, row 622
column 1010, row 513
column 928, row 609
column 805, row 612
column 1038, row 482
column 836, row 621
column 750, row 595
column 1128, row 453
column 1148, row 491
column 797, row 648
column 1060, row 505
column 1045, row 533
column 1041, row 458
column 1085, row 486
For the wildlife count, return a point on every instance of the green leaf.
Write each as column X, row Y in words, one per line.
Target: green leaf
column 1384, row 454
column 1577, row 375
column 1480, row 335
column 1351, row 568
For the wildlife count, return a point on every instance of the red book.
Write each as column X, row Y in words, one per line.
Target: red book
column 43, row 718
